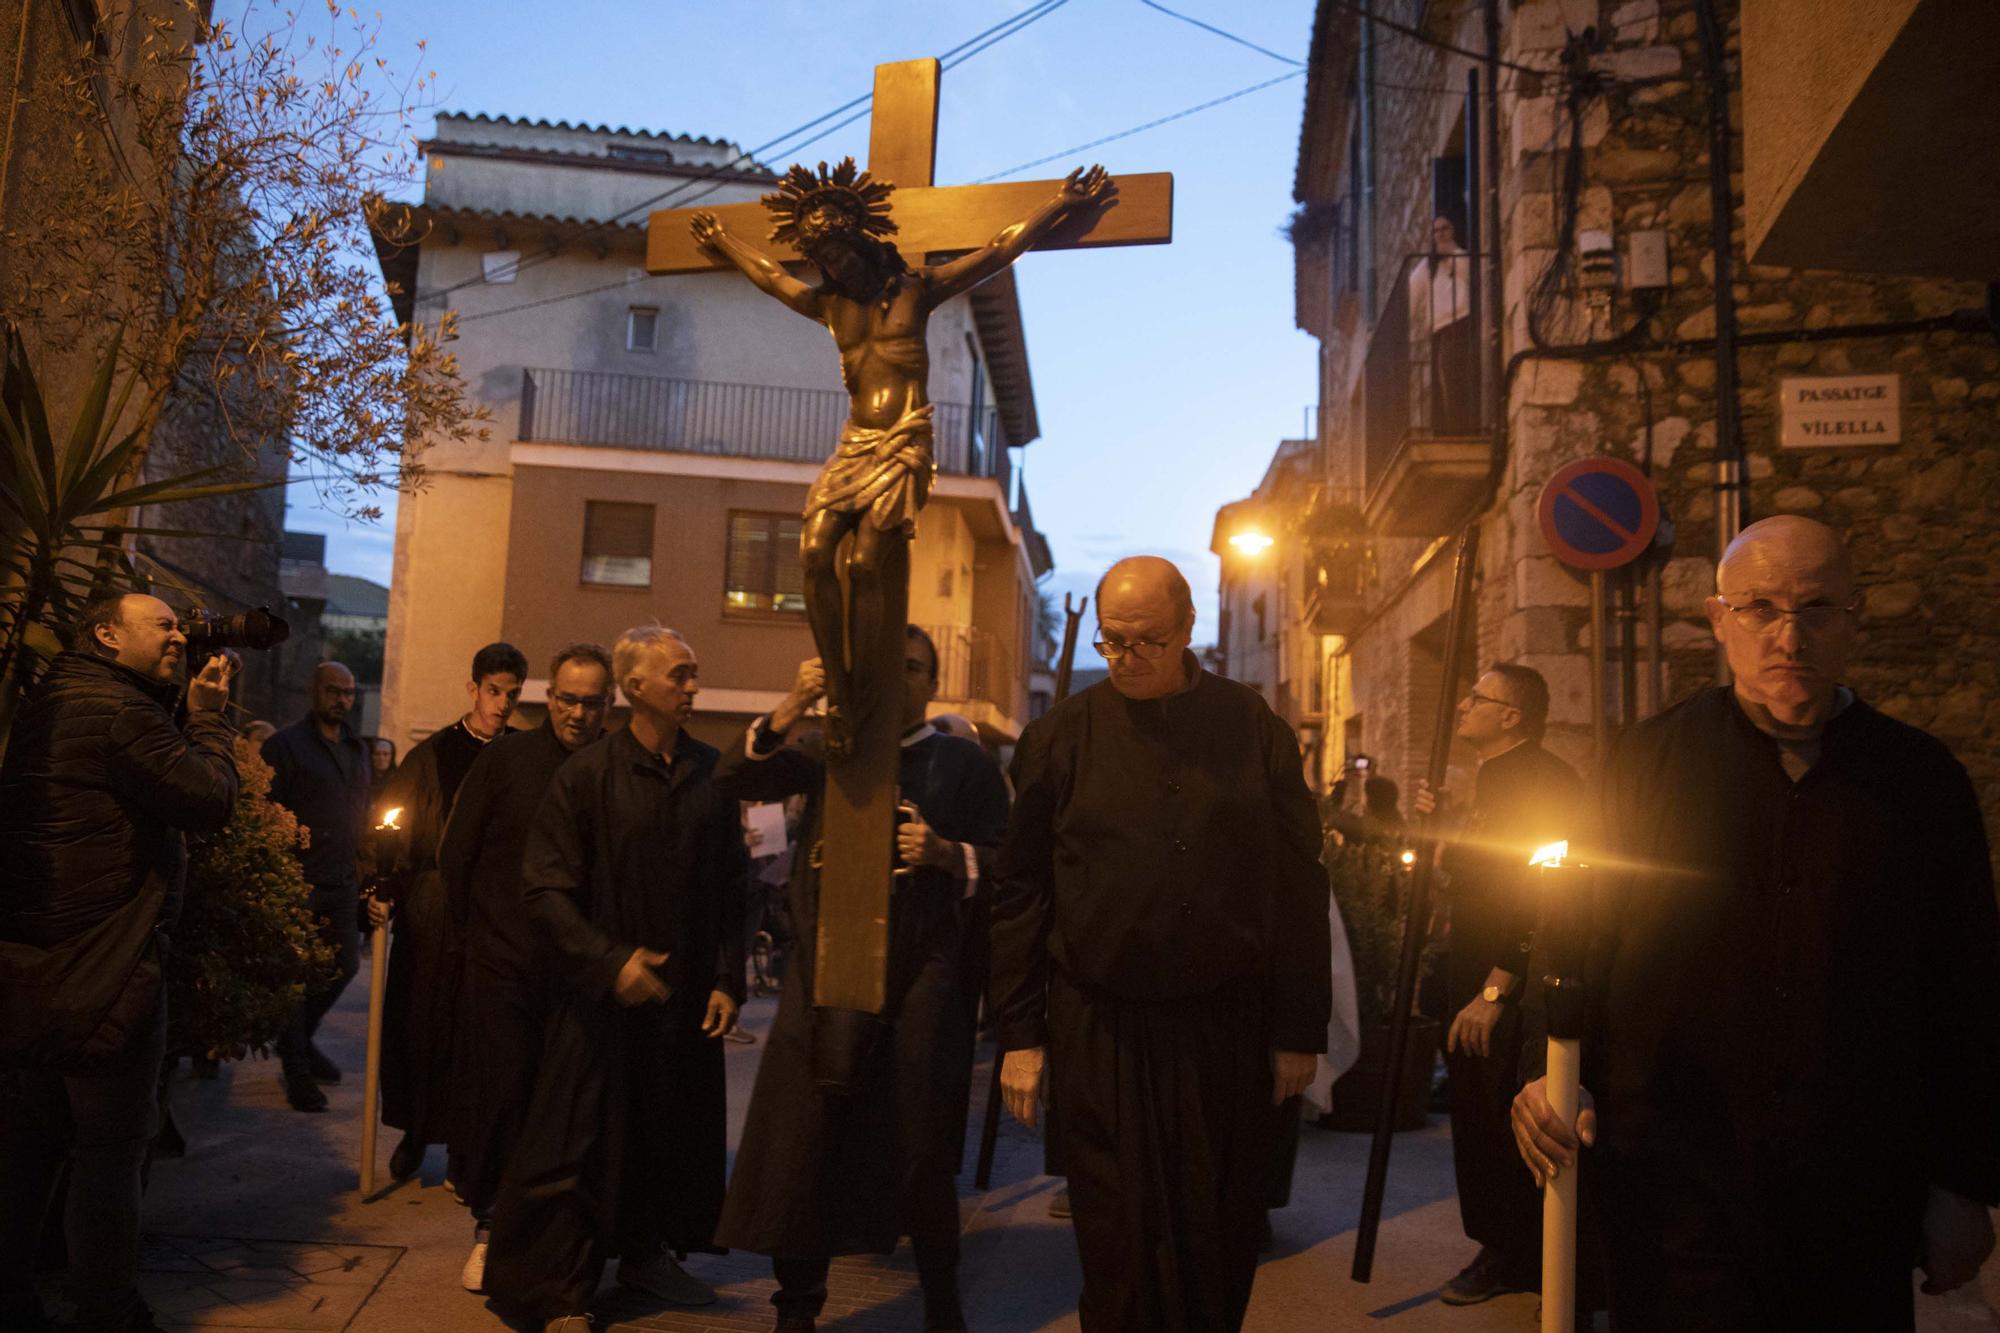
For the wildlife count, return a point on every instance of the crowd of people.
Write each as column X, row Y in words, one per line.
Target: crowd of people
column 1793, row 1036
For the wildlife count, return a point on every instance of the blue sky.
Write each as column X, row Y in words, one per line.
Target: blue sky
column 1164, row 375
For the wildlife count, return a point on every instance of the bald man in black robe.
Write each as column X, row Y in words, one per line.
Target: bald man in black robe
column 1161, row 954
column 1794, row 1036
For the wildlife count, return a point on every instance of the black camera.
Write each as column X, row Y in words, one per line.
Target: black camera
column 209, row 634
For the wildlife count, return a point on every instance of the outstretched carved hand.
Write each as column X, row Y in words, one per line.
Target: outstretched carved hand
column 1086, row 185
column 706, row 228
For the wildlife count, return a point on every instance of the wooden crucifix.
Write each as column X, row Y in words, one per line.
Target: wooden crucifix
column 875, row 295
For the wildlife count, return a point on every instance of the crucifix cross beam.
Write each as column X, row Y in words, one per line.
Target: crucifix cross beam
column 930, row 218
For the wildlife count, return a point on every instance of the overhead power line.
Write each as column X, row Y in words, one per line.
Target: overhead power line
column 859, row 106
column 1226, row 36
column 1141, row 129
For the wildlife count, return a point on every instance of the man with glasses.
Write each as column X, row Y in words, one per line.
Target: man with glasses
column 1161, row 955
column 633, row 876
column 504, row 997
column 820, row 1173
column 1523, row 797
column 1795, row 1033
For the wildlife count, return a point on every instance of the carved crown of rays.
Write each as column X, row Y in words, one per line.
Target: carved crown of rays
column 810, row 207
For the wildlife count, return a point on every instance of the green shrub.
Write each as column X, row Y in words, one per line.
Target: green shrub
column 1372, row 887
column 246, row 948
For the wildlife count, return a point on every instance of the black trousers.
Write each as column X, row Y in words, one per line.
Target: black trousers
column 1498, row 1203
column 801, row 1292
column 1694, row 1246
column 1168, row 1133
column 336, row 907
column 102, row 1121
column 502, row 1019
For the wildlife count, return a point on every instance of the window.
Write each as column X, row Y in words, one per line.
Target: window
column 763, row 566
column 975, row 441
column 617, row 544
column 642, row 328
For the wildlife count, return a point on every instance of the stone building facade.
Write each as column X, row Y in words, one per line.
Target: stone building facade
column 1607, row 340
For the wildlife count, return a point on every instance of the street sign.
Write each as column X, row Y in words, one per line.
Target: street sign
column 1840, row 411
column 1599, row 513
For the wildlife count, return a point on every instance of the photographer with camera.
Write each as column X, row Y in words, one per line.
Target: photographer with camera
column 99, row 786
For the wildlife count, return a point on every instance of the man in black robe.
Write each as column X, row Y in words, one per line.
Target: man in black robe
column 419, row 1008
column 633, row 873
column 1795, row 1031
column 1523, row 798
column 1160, row 934
column 504, row 995
column 821, row 1174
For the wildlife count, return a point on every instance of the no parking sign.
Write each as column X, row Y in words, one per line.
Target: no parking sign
column 1599, row 513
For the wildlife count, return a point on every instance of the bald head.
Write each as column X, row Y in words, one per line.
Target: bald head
column 1146, row 579
column 1786, row 547
column 1145, row 616
column 332, row 696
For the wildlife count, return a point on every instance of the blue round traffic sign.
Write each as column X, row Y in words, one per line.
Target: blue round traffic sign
column 1599, row 513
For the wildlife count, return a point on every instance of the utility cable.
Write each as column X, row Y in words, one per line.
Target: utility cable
column 1418, row 35
column 1140, row 129
column 957, row 55
column 1226, row 36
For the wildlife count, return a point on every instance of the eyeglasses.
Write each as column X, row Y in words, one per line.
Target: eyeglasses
column 590, row 701
column 1477, row 698
column 1764, row 617
column 1146, row 650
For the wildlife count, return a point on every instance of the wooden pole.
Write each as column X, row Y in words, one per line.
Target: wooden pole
column 989, row 1131
column 1416, row 926
column 1559, row 1197
column 371, row 1080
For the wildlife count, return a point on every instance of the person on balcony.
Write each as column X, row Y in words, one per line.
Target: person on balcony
column 1444, row 345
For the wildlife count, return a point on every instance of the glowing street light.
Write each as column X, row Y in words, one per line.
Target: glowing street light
column 1251, row 542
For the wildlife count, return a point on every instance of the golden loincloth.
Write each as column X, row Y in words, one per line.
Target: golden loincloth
column 884, row 474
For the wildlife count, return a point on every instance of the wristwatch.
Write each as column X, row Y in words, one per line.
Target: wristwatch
column 1493, row 995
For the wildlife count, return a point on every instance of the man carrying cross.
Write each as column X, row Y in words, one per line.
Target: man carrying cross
column 877, row 307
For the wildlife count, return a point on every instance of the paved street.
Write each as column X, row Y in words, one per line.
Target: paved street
column 261, row 1227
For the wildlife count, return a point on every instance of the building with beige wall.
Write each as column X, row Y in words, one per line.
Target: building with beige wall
column 652, row 439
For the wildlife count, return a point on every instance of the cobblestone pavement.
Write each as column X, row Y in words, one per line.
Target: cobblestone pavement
column 261, row 1227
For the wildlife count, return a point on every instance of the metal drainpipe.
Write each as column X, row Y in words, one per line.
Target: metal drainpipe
column 1495, row 396
column 1365, row 102
column 1729, row 478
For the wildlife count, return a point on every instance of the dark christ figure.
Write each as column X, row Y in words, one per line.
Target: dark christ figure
column 878, row 308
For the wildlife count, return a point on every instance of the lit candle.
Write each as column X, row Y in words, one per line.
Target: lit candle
column 1560, row 943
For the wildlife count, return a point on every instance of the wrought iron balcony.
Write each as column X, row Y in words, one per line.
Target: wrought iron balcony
column 735, row 420
column 974, row 667
column 1425, row 449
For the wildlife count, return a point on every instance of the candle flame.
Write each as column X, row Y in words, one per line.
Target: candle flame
column 390, row 817
column 1408, row 858
column 1552, row 855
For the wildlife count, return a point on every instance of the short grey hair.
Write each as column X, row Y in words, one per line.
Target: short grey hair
column 637, row 641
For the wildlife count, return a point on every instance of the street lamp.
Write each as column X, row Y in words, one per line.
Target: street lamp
column 1562, row 943
column 1251, row 542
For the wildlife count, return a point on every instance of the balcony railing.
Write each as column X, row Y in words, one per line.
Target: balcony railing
column 972, row 667
column 1423, row 442
column 736, row 420
column 1422, row 374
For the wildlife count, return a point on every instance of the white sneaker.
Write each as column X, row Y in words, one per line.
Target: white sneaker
column 473, row 1278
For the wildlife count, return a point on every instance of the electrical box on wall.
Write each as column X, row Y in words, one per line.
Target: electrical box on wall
column 1646, row 260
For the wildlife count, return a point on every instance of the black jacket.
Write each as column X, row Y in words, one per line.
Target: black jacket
column 326, row 785
column 96, row 791
column 1801, row 973
column 1159, row 849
